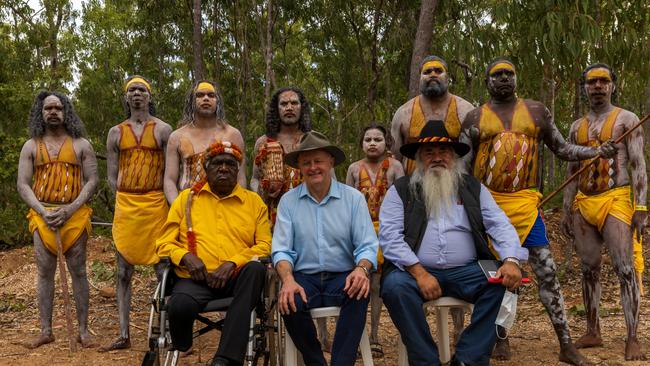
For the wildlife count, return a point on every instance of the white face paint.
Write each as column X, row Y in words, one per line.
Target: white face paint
column 374, row 143
column 599, row 90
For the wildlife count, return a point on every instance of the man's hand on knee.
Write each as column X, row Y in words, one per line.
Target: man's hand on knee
column 357, row 284
column 195, row 267
column 286, row 298
column 220, row 276
column 427, row 283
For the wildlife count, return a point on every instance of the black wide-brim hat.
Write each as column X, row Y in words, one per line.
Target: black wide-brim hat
column 434, row 132
column 314, row 140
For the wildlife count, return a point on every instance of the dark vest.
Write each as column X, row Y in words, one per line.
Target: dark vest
column 416, row 218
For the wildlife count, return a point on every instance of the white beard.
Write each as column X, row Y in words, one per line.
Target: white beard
column 439, row 188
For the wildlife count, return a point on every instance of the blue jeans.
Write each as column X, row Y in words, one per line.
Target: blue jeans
column 326, row 289
column 403, row 300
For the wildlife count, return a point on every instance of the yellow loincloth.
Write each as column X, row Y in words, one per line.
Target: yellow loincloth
column 521, row 209
column 70, row 231
column 138, row 219
column 615, row 202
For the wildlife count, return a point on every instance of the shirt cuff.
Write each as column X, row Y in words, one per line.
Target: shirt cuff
column 239, row 260
column 277, row 257
column 176, row 255
column 407, row 262
column 367, row 255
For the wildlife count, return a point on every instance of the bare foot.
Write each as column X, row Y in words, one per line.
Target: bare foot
column 41, row 340
column 633, row 351
column 570, row 354
column 589, row 340
column 501, row 350
column 120, row 343
column 86, row 342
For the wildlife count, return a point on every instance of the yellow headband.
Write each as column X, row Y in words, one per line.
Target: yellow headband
column 137, row 80
column 205, row 86
column 434, row 63
column 598, row 73
column 501, row 66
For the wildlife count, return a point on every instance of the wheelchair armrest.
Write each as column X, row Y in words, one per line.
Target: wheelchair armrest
column 265, row 260
column 167, row 261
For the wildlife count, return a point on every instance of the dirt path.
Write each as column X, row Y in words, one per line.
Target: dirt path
column 532, row 338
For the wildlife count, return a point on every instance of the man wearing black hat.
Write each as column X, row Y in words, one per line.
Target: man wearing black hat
column 324, row 248
column 434, row 227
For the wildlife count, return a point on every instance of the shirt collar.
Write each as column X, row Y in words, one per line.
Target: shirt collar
column 334, row 192
column 237, row 192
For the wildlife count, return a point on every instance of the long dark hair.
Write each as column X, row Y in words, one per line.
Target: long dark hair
column 71, row 121
column 273, row 123
column 190, row 104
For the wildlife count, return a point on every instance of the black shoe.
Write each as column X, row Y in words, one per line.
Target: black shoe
column 456, row 362
column 220, row 361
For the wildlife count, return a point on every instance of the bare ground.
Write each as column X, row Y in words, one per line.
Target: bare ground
column 532, row 338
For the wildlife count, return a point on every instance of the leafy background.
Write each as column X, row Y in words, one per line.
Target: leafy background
column 352, row 59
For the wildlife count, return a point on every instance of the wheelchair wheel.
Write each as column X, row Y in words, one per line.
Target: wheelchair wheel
column 160, row 352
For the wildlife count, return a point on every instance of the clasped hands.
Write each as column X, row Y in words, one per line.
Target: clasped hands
column 57, row 217
column 215, row 279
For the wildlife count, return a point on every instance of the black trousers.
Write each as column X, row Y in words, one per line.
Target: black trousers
column 189, row 298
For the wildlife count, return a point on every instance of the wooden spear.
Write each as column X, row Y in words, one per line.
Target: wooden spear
column 65, row 291
column 593, row 160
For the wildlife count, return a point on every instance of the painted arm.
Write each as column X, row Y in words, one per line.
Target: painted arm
column 239, row 141
column 570, row 191
column 172, row 167
column 470, row 135
column 91, row 178
column 559, row 146
column 163, row 134
column 113, row 156
column 257, row 174
column 396, row 132
column 639, row 176
column 24, row 180
column 350, row 176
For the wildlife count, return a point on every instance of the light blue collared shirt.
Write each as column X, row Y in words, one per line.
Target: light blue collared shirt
column 447, row 242
column 328, row 236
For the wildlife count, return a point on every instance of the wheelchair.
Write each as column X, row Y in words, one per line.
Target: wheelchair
column 264, row 343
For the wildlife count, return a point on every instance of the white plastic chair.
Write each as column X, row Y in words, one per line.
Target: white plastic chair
column 441, row 306
column 291, row 352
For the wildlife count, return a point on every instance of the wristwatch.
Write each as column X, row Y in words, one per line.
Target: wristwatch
column 364, row 269
column 513, row 260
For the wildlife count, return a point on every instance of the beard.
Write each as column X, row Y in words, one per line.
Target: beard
column 439, row 187
column 434, row 88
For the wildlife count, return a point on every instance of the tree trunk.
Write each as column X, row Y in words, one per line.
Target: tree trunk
column 267, row 46
column 54, row 11
column 422, row 43
column 216, row 18
column 198, row 66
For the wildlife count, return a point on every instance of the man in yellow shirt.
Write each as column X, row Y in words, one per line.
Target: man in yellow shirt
column 212, row 234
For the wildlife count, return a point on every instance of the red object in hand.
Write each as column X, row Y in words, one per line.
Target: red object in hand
column 500, row 279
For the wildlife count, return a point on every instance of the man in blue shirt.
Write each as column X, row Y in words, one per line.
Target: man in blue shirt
column 324, row 248
column 433, row 230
